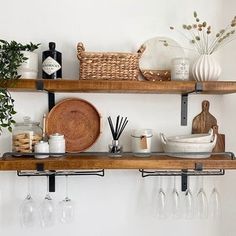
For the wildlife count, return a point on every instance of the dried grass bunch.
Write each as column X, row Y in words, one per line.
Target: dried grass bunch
column 204, row 41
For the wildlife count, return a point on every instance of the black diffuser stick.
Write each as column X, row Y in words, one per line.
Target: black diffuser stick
column 122, row 128
column 119, row 126
column 111, row 127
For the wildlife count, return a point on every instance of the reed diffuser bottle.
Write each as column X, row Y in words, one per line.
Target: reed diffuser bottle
column 115, row 149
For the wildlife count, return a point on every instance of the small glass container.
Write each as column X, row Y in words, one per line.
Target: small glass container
column 42, row 147
column 115, row 149
column 141, row 142
column 25, row 135
column 57, row 144
column 180, row 69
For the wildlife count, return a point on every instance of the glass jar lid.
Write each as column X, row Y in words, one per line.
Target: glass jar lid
column 27, row 122
column 56, row 136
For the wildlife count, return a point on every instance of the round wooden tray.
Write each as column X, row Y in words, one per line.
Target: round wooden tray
column 78, row 120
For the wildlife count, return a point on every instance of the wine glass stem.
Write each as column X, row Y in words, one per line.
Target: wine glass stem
column 160, row 182
column 174, row 182
column 201, row 182
column 28, row 186
column 47, row 185
column 66, row 186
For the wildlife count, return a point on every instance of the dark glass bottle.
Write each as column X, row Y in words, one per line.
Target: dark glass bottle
column 51, row 63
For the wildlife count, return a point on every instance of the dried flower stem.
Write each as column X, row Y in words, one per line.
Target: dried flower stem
column 201, row 36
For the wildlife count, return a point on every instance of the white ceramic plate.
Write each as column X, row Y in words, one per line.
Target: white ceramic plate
column 157, row 56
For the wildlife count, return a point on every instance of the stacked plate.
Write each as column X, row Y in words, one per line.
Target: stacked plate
column 189, row 146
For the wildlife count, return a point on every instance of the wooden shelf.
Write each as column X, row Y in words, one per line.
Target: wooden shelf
column 219, row 87
column 102, row 161
column 105, row 86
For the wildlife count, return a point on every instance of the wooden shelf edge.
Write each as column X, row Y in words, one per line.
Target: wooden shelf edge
column 218, row 87
column 122, row 86
column 107, row 86
column 105, row 162
column 103, row 86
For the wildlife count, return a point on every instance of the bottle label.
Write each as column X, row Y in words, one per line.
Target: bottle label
column 50, row 66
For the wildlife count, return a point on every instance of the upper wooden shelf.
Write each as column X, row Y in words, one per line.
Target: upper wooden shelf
column 127, row 161
column 106, row 86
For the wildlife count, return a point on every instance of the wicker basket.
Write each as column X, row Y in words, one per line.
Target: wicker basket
column 108, row 65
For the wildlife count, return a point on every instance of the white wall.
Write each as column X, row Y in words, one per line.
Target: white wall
column 121, row 203
column 229, row 73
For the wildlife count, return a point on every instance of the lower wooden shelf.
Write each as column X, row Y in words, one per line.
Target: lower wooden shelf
column 103, row 161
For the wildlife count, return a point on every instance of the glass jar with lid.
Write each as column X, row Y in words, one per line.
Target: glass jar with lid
column 25, row 135
column 141, row 142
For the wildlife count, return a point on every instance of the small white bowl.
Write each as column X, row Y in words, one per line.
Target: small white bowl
column 193, row 138
column 181, row 149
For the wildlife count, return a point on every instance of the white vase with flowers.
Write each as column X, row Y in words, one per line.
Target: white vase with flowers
column 205, row 43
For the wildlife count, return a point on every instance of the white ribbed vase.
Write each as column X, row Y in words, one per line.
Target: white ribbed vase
column 206, row 68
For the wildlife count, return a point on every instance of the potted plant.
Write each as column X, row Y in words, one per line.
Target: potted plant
column 11, row 58
column 29, row 68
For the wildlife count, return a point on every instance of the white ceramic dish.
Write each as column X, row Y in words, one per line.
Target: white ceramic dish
column 157, row 56
column 193, row 138
column 181, row 149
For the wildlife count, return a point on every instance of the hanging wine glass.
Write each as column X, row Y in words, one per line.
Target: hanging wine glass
column 47, row 209
column 28, row 209
column 188, row 203
column 66, row 207
column 161, row 201
column 215, row 203
column 202, row 205
column 175, row 201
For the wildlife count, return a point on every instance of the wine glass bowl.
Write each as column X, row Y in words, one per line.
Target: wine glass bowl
column 215, row 204
column 47, row 209
column 175, row 201
column 201, row 201
column 66, row 211
column 66, row 207
column 28, row 210
column 188, row 203
column 161, row 202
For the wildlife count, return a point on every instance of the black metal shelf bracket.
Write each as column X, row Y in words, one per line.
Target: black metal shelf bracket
column 39, row 85
column 51, row 100
column 184, row 102
column 198, row 87
column 184, row 109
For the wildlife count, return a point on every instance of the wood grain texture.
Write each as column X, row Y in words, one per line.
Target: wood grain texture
column 74, row 85
column 106, row 86
column 218, row 87
column 118, row 86
column 127, row 161
column 204, row 121
column 78, row 120
column 220, row 143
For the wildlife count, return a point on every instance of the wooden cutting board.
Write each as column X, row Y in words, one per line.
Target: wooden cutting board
column 220, row 143
column 204, row 121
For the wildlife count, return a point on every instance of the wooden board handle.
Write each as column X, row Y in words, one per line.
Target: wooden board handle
column 205, row 106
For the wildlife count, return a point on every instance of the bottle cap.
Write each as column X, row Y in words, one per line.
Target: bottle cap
column 52, row 46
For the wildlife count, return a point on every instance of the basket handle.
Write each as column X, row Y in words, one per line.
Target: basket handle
column 80, row 50
column 141, row 50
